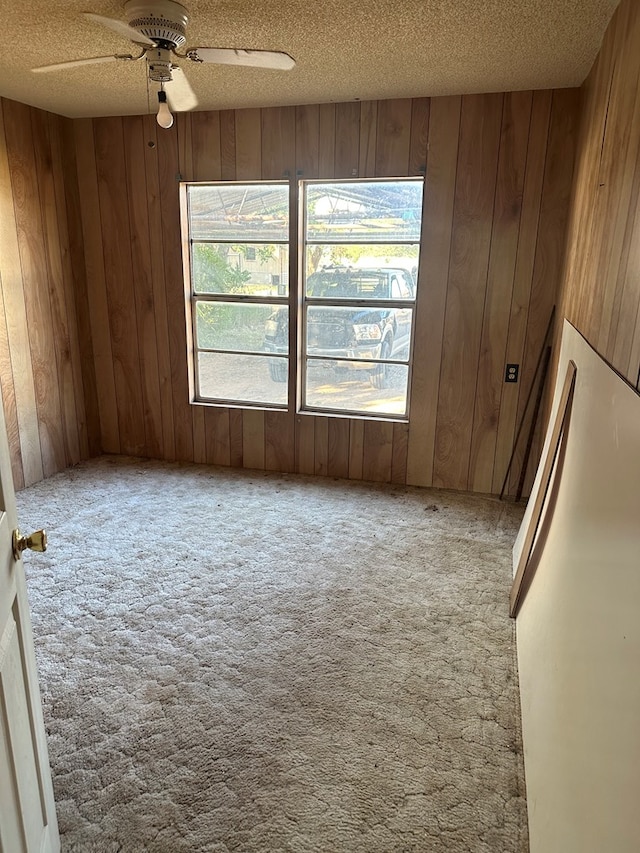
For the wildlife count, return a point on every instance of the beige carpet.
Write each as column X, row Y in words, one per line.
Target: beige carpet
column 241, row 661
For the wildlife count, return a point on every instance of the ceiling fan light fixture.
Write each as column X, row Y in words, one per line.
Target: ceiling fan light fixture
column 159, row 28
column 164, row 117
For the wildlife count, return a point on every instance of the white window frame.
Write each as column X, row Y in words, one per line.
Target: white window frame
column 307, row 302
column 296, row 303
column 195, row 297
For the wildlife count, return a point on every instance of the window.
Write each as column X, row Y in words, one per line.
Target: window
column 354, row 295
column 239, row 261
column 361, row 246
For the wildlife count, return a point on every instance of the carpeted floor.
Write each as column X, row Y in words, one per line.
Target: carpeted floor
column 241, row 661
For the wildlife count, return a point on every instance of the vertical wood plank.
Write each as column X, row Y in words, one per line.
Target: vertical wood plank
column 185, row 147
column 500, row 284
column 158, row 279
column 634, row 359
column 97, row 293
column 279, row 442
column 199, row 429
column 248, row 145
column 393, row 138
column 205, row 137
column 626, row 346
column 327, row 144
column 142, row 284
column 114, row 214
column 338, row 447
column 54, row 226
column 356, row 450
column 620, row 345
column 347, row 145
column 305, row 437
column 433, row 275
column 9, row 399
column 580, row 255
column 622, row 181
column 420, row 109
column 17, row 330
column 473, row 207
column 615, row 174
column 253, row 446
column 321, row 446
column 399, row 453
column 378, row 451
column 235, row 438
column 307, row 141
column 278, row 142
column 33, row 262
column 218, row 437
column 75, row 285
column 227, row 145
column 368, row 139
column 168, row 170
column 527, row 240
column 550, row 246
column 591, row 294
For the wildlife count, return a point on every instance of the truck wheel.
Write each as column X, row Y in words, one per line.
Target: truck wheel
column 278, row 370
column 380, row 374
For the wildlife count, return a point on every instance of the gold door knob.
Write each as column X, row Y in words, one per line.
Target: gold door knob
column 36, row 542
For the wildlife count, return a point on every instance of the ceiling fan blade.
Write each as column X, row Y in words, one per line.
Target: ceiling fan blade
column 230, row 56
column 76, row 63
column 180, row 95
column 121, row 28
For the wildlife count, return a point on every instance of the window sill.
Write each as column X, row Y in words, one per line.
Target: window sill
column 300, row 413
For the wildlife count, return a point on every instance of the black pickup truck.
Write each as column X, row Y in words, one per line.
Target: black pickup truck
column 351, row 336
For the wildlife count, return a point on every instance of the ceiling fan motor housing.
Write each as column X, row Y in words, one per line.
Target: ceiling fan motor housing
column 163, row 21
column 159, row 64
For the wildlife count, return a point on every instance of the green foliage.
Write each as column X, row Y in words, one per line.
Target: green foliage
column 206, row 319
column 224, row 325
column 352, row 254
column 231, row 326
column 212, row 272
column 263, row 253
column 349, row 255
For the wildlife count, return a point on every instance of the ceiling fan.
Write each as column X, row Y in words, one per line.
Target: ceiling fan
column 158, row 27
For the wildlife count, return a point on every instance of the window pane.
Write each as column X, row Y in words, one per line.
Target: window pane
column 243, row 378
column 243, row 212
column 252, row 270
column 361, row 282
column 353, row 387
column 371, row 211
column 364, row 332
column 235, row 326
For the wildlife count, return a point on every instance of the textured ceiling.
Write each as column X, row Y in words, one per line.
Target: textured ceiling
column 345, row 50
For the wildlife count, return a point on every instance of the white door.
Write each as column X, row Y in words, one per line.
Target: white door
column 27, row 812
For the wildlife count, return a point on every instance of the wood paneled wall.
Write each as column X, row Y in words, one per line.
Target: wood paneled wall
column 601, row 290
column 498, row 175
column 92, row 331
column 46, row 358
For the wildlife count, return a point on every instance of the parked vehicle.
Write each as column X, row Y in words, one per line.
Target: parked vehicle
column 351, row 336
